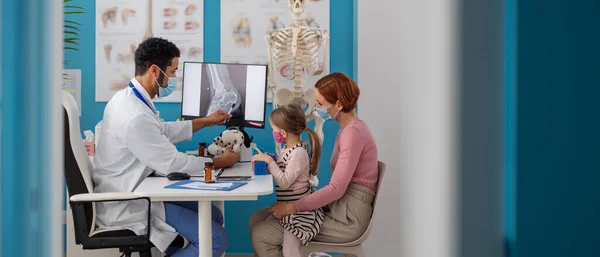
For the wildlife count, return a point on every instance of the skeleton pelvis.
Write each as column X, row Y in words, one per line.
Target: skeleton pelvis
column 306, row 99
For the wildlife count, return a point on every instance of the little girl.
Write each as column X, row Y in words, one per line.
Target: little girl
column 295, row 175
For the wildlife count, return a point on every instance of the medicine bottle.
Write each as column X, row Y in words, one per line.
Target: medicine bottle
column 201, row 149
column 208, row 172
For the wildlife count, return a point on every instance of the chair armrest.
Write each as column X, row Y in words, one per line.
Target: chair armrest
column 103, row 197
column 80, row 199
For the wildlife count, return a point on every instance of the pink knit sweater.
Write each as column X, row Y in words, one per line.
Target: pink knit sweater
column 354, row 159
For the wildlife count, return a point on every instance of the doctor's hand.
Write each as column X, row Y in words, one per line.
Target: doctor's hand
column 219, row 117
column 226, row 160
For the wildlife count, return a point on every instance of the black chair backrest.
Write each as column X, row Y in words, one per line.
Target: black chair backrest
column 75, row 183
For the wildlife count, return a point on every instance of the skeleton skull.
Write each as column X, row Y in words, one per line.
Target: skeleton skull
column 297, row 9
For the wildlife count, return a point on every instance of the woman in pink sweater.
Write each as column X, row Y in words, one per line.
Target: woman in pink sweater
column 348, row 198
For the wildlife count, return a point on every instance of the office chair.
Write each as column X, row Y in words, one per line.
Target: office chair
column 355, row 247
column 82, row 199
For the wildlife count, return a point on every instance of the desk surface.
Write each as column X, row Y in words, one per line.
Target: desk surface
column 154, row 187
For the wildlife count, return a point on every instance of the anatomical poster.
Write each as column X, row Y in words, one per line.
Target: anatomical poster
column 245, row 23
column 121, row 25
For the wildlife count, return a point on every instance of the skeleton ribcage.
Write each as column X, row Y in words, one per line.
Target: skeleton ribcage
column 307, row 53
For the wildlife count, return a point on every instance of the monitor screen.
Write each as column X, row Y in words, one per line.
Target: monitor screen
column 237, row 88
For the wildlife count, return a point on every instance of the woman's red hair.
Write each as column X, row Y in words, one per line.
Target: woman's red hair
column 339, row 87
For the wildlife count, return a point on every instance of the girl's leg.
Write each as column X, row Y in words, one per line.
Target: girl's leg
column 291, row 244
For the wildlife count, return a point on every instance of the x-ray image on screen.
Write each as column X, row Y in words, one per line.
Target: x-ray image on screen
column 208, row 87
column 224, row 86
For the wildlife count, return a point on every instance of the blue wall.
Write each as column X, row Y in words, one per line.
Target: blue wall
column 558, row 132
column 237, row 213
column 510, row 34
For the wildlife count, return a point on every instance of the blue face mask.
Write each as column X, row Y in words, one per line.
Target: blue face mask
column 166, row 91
column 171, row 85
column 322, row 112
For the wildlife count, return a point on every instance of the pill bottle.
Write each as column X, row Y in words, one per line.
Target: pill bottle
column 208, row 172
column 202, row 149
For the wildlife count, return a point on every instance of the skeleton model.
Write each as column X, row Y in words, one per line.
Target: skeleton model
column 148, row 33
column 298, row 47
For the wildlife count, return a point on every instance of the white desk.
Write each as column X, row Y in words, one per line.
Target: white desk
column 154, row 188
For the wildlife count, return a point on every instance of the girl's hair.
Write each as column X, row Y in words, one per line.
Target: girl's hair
column 291, row 119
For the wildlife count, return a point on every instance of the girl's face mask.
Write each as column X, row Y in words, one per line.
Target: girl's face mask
column 278, row 137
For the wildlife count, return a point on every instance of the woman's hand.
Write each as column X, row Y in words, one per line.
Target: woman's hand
column 281, row 210
column 262, row 157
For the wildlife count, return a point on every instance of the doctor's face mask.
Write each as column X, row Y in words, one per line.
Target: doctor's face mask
column 171, row 85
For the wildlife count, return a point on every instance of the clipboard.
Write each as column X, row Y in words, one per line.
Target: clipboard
column 200, row 185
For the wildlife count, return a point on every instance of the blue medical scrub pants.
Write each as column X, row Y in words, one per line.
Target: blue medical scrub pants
column 183, row 216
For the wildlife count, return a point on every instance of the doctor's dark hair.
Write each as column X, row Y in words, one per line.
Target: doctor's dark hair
column 156, row 51
column 339, row 87
column 291, row 119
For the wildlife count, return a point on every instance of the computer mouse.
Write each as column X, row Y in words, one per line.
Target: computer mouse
column 178, row 176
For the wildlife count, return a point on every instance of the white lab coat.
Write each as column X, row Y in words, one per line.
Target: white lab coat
column 134, row 143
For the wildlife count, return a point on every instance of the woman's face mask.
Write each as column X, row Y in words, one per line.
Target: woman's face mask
column 171, row 85
column 324, row 114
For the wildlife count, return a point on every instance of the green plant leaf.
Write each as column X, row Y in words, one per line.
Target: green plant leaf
column 73, row 7
column 71, row 33
column 72, row 42
column 73, row 22
column 72, row 27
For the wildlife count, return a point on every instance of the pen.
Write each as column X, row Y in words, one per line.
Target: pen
column 230, row 109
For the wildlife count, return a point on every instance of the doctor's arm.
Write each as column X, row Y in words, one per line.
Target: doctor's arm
column 144, row 138
column 226, row 160
column 214, row 118
column 180, row 131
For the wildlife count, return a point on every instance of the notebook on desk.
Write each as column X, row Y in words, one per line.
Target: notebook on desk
column 244, row 158
column 200, row 185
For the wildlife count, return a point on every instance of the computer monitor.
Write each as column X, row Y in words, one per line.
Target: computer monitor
column 237, row 88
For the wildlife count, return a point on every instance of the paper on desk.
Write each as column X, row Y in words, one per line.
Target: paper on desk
column 202, row 185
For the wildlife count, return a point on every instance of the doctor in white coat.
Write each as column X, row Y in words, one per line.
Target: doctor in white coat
column 135, row 142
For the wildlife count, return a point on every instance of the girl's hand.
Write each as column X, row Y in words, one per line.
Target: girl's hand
column 262, row 157
column 281, row 210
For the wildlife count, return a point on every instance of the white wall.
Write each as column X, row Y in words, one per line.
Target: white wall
column 411, row 71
